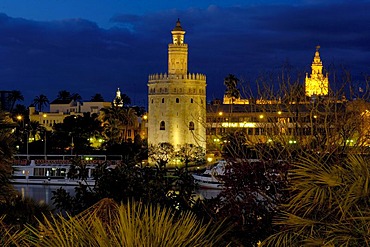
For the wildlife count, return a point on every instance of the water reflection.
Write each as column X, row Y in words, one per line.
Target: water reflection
column 40, row 193
column 43, row 193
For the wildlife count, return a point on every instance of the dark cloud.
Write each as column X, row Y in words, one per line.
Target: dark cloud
column 79, row 56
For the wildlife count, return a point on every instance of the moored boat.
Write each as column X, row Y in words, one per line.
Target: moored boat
column 53, row 171
column 211, row 177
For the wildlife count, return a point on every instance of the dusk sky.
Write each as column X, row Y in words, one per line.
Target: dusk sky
column 95, row 46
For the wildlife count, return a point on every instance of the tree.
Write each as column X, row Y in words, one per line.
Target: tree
column 6, row 155
column 329, row 204
column 76, row 97
column 20, row 110
column 130, row 119
column 97, row 98
column 162, row 154
column 79, row 128
column 64, row 95
column 40, row 101
column 133, row 224
column 189, row 153
column 231, row 83
column 13, row 97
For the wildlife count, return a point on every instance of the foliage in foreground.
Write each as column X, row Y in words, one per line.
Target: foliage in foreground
column 126, row 181
column 330, row 205
column 135, row 224
column 9, row 236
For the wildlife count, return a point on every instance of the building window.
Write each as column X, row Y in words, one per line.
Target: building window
column 129, row 133
column 162, row 126
column 152, row 101
column 177, row 100
column 191, row 125
column 162, row 100
column 191, row 100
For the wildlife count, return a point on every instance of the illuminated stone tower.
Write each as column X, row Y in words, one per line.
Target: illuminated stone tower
column 177, row 99
column 317, row 83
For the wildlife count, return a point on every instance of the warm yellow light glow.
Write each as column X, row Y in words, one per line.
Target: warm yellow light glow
column 19, row 117
column 220, row 113
column 261, row 116
column 209, row 159
column 279, row 112
column 145, row 117
column 315, row 116
column 44, row 115
column 238, row 125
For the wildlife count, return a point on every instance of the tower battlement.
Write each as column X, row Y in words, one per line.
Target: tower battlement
column 165, row 76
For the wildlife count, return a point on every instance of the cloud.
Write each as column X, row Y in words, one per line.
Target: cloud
column 79, row 56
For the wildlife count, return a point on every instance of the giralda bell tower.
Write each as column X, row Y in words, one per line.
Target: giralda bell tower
column 177, row 99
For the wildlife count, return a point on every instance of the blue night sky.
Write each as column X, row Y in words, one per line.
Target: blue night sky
column 95, row 46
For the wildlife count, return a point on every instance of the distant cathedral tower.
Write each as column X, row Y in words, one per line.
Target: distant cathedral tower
column 317, row 83
column 177, row 99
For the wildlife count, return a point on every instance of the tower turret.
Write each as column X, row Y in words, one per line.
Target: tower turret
column 317, row 83
column 178, row 51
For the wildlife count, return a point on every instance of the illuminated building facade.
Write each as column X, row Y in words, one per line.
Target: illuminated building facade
column 317, row 83
column 177, row 99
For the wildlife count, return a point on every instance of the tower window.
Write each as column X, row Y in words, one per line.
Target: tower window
column 152, row 101
column 162, row 100
column 191, row 101
column 162, row 126
column 191, row 125
column 177, row 100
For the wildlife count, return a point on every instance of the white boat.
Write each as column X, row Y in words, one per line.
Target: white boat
column 211, row 177
column 53, row 171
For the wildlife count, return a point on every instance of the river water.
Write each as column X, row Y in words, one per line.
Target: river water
column 43, row 193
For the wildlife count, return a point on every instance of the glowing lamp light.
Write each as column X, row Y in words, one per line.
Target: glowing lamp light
column 209, row 159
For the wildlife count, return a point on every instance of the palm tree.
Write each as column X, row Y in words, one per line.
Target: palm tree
column 76, row 97
column 231, row 83
column 40, row 101
column 129, row 119
column 97, row 98
column 35, row 129
column 64, row 95
column 113, row 124
column 13, row 97
column 108, row 224
column 330, row 203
